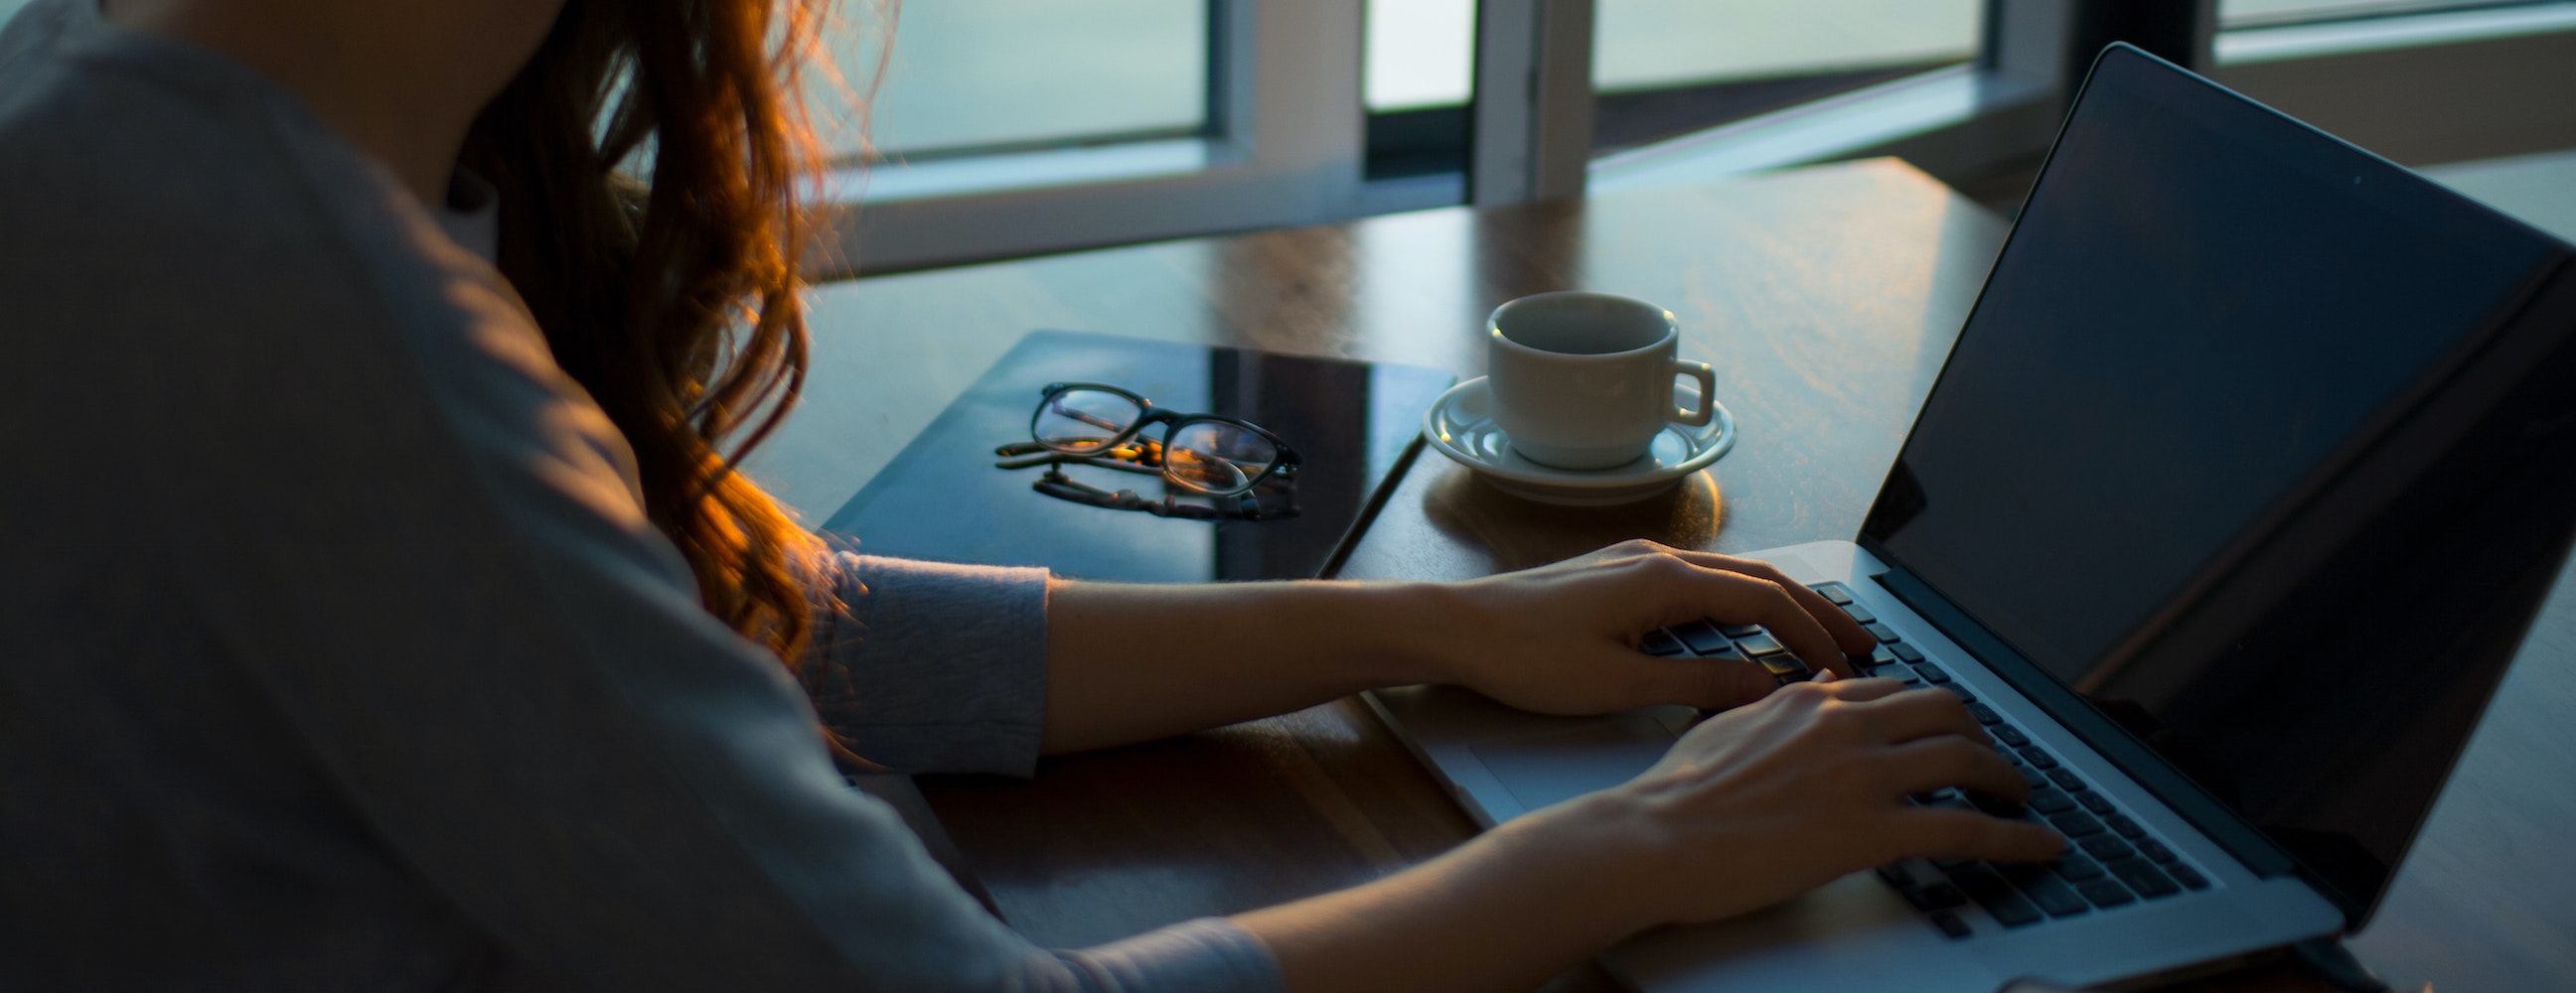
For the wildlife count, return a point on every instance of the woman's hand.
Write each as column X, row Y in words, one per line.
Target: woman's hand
column 1562, row 638
column 1762, row 803
column 1752, row 807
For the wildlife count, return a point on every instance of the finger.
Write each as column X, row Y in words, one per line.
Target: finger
column 1777, row 610
column 1847, row 633
column 1862, row 687
column 1945, row 832
column 1706, row 683
column 1711, row 684
column 1896, row 718
column 1927, row 764
column 1629, row 679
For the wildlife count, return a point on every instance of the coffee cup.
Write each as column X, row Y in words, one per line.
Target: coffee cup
column 1584, row 381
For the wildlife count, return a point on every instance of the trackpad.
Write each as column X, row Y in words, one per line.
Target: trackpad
column 1544, row 769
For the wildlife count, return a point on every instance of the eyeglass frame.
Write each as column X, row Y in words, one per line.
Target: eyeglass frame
column 1246, row 505
column 1283, row 469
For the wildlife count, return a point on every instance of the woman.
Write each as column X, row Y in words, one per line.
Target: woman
column 382, row 610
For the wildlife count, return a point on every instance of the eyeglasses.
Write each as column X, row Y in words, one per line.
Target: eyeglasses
column 1203, row 454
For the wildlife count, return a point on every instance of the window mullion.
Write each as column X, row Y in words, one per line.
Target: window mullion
column 1530, row 119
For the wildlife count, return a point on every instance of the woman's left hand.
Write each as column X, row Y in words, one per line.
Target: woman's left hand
column 1562, row 638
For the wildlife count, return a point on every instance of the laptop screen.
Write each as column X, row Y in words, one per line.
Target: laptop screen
column 2200, row 303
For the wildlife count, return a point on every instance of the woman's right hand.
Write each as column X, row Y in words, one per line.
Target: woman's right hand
column 1766, row 801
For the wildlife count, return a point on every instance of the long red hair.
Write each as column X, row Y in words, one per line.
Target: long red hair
column 673, row 298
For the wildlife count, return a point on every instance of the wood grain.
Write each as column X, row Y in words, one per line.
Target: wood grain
column 1827, row 299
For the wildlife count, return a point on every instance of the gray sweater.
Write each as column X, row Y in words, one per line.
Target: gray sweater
column 336, row 651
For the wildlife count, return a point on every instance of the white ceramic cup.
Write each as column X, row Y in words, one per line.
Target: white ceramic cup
column 1584, row 380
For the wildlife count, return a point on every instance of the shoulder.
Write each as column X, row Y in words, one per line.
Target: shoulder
column 211, row 283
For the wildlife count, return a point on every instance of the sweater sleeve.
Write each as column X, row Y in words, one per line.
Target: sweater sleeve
column 929, row 667
column 555, row 736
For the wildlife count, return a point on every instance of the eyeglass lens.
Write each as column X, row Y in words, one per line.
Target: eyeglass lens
column 1081, row 421
column 1216, row 456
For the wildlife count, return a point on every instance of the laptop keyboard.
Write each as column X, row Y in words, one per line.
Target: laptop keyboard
column 2113, row 862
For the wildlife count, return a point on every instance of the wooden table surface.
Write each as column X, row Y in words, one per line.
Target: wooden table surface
column 1827, row 299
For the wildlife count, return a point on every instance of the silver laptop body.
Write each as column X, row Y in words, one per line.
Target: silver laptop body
column 1858, row 933
column 2181, row 638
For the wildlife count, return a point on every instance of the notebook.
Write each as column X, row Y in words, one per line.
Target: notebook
column 1357, row 424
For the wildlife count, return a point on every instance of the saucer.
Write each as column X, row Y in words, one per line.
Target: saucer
column 1461, row 425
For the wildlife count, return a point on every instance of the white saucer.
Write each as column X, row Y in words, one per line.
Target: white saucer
column 1461, row 425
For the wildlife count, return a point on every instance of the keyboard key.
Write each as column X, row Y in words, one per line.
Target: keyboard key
column 1701, row 637
column 2048, row 801
column 2009, row 735
column 1961, row 692
column 2142, row 876
column 1897, row 875
column 1985, row 714
column 2094, row 802
column 1931, row 672
column 1904, row 674
column 1938, row 896
column 2075, row 824
column 2121, row 825
column 1906, row 652
column 1726, row 654
column 1986, row 886
column 2039, row 758
column 2065, row 778
column 1999, row 806
column 1881, row 632
column 2104, row 893
column 1740, row 631
column 1662, row 642
column 2156, row 850
column 2032, row 776
column 2050, row 893
column 2076, row 868
column 1758, row 643
column 1785, row 667
column 2190, row 878
column 1880, row 656
column 2106, row 847
column 1859, row 613
column 1950, row 924
column 1836, row 593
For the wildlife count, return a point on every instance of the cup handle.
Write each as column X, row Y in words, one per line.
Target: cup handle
column 1707, row 392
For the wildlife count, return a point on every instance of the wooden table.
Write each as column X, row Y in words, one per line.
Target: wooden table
column 1827, row 298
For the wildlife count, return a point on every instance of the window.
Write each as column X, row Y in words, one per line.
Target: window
column 986, row 75
column 1007, row 127
column 1665, row 67
column 2420, row 81
column 2269, row 13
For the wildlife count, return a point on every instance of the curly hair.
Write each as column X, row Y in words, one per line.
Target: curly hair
column 673, row 299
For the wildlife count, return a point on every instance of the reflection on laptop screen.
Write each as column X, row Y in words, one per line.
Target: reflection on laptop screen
column 2199, row 304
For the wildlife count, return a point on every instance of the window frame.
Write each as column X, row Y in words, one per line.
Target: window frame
column 1283, row 147
column 2468, row 94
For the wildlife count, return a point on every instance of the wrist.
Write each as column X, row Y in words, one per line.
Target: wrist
column 1600, row 856
column 1410, row 632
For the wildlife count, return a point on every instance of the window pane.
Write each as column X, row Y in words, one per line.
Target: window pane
column 981, row 74
column 1420, row 53
column 1651, row 44
column 2257, row 13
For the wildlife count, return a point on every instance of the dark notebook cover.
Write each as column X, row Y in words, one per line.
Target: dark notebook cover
column 1358, row 424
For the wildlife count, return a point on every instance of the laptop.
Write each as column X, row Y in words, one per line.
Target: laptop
column 2242, row 483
